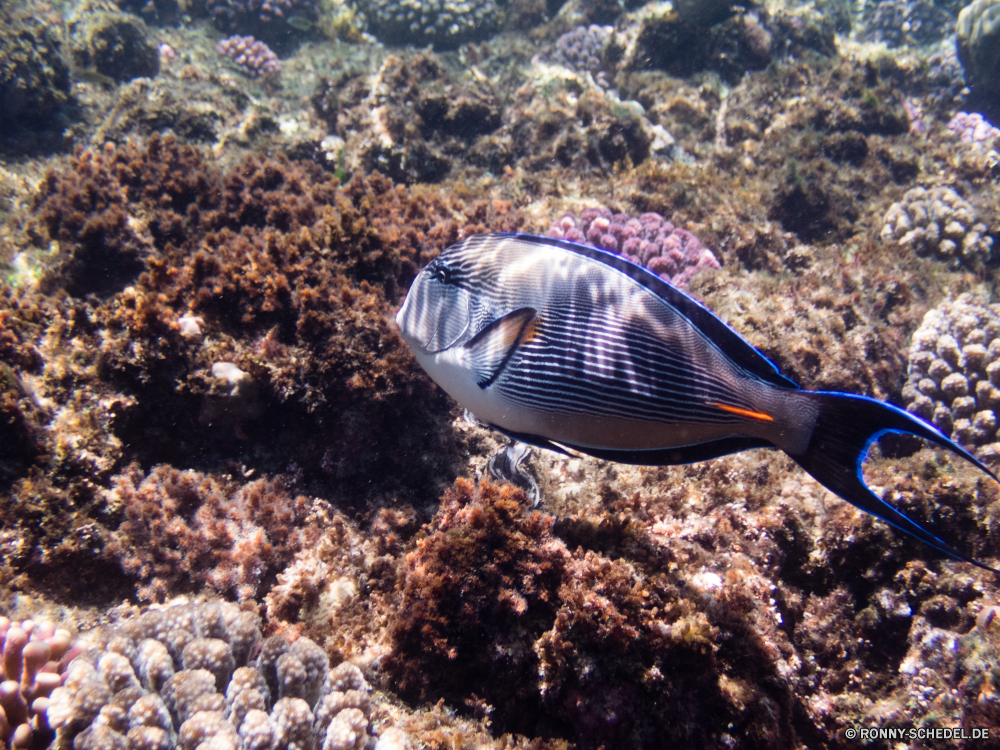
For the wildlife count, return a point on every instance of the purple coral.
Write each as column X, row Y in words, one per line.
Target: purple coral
column 581, row 49
column 254, row 57
column 674, row 254
column 972, row 128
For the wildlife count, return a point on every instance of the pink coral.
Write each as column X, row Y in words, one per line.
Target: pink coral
column 674, row 254
column 972, row 128
column 253, row 57
column 35, row 655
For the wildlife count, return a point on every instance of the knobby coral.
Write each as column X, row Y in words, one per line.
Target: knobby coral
column 954, row 374
column 200, row 675
column 939, row 222
column 674, row 254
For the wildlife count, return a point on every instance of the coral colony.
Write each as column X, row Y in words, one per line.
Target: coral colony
column 674, row 254
column 193, row 675
column 939, row 222
column 954, row 378
column 973, row 128
column 252, row 56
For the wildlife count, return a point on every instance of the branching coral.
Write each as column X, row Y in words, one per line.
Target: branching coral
column 34, row 665
column 253, row 57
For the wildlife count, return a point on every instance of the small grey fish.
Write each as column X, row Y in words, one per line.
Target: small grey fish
column 91, row 75
column 300, row 23
column 572, row 348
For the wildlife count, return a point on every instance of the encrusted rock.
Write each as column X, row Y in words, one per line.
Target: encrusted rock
column 116, row 45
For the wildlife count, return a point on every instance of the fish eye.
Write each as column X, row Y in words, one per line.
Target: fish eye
column 442, row 272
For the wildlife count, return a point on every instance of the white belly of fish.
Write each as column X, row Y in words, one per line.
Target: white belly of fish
column 451, row 370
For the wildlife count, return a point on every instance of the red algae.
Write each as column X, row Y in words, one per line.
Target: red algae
column 186, row 530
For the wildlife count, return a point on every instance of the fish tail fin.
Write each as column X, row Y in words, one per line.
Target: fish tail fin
column 846, row 426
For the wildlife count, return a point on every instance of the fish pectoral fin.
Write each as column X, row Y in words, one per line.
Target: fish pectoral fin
column 539, row 442
column 490, row 350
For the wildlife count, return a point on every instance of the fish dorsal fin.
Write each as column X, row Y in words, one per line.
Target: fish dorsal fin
column 490, row 350
column 711, row 327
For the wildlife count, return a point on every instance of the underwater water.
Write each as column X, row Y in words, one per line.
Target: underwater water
column 235, row 512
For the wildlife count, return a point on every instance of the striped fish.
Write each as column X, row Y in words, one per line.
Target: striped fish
column 573, row 348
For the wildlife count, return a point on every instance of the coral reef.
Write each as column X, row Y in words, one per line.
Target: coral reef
column 253, row 57
column 446, row 24
column 940, row 223
column 561, row 120
column 674, row 254
column 978, row 30
column 703, row 12
column 21, row 416
column 309, row 337
column 236, row 316
column 190, row 674
column 115, row 45
column 203, row 391
column 413, row 120
column 478, row 587
column 35, row 655
column 156, row 12
column 34, row 83
column 972, row 128
column 600, row 644
column 954, row 375
column 264, row 18
column 745, row 42
column 902, row 22
column 183, row 529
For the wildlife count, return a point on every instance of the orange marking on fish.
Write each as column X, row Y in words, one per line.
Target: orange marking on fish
column 529, row 331
column 748, row 413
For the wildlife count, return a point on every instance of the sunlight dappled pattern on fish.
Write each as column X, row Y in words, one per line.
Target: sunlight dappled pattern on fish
column 574, row 348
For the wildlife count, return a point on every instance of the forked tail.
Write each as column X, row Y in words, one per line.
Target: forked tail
column 845, row 428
